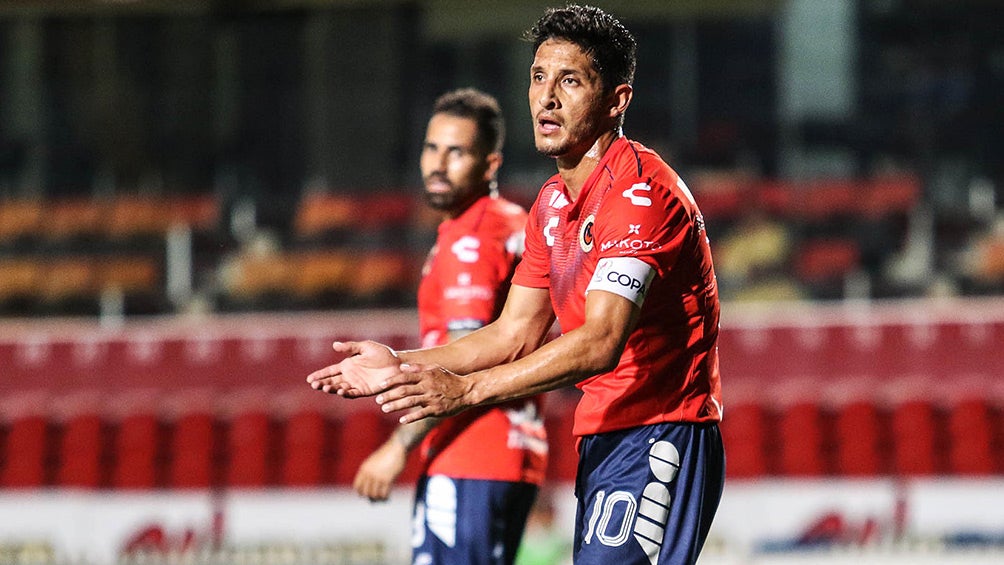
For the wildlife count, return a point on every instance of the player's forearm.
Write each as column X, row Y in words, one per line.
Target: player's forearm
column 410, row 435
column 565, row 361
column 489, row 346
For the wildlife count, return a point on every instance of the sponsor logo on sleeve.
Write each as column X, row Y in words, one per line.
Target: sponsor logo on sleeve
column 636, row 194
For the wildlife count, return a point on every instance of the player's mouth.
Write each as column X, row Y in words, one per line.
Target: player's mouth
column 437, row 184
column 547, row 125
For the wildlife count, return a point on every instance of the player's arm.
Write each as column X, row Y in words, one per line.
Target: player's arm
column 377, row 473
column 520, row 328
column 593, row 348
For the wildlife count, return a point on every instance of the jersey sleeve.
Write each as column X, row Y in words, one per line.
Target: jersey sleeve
column 644, row 219
column 534, row 270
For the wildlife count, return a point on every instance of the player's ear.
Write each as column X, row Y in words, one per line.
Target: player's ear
column 494, row 161
column 620, row 99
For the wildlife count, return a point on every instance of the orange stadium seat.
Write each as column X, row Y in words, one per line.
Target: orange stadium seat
column 20, row 219
column 19, row 278
column 69, row 278
column 130, row 217
column 200, row 212
column 745, row 432
column 26, row 453
column 802, row 440
column 192, row 456
column 971, row 437
column 249, row 450
column 320, row 214
column 82, row 452
column 324, row 272
column 383, row 273
column 131, row 275
column 860, row 445
column 138, row 452
column 74, row 218
column 915, row 445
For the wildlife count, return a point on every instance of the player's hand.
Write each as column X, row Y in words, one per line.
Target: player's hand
column 367, row 365
column 378, row 472
column 427, row 391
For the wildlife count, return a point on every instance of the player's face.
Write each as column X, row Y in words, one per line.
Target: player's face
column 456, row 172
column 567, row 102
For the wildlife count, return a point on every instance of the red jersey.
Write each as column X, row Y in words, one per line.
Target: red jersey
column 465, row 281
column 633, row 205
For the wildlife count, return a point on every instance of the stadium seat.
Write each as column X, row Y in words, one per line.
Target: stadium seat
column 860, row 447
column 138, row 452
column 745, row 433
column 20, row 219
column 82, row 452
column 249, row 450
column 802, row 440
column 321, row 215
column 384, row 276
column 971, row 437
column 26, row 453
column 915, row 439
column 325, row 272
column 135, row 217
column 358, row 434
column 306, row 449
column 20, row 278
column 74, row 218
column 131, row 275
column 823, row 260
column 193, row 447
column 68, row 279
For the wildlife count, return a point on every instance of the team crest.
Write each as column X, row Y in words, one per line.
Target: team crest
column 586, row 234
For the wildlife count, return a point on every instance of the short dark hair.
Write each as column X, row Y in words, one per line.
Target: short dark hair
column 601, row 36
column 475, row 105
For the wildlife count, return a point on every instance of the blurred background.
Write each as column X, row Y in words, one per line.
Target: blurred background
column 197, row 197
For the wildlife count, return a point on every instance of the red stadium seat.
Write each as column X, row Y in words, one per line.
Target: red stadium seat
column 860, row 445
column 745, row 433
column 193, row 449
column 358, row 435
column 971, row 438
column 915, row 441
column 802, row 440
column 306, row 450
column 249, row 450
column 82, row 452
column 26, row 453
column 138, row 452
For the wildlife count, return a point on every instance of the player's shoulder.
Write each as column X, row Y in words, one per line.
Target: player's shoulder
column 637, row 161
column 502, row 214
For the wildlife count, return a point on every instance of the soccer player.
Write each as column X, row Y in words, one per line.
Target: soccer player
column 481, row 469
column 616, row 248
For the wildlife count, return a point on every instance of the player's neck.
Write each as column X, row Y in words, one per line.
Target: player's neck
column 575, row 169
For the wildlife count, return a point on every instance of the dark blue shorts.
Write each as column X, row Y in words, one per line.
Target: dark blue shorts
column 647, row 495
column 467, row 521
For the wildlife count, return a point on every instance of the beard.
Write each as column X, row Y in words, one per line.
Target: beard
column 442, row 201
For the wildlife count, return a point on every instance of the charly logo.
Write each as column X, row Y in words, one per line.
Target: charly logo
column 637, row 199
column 586, row 234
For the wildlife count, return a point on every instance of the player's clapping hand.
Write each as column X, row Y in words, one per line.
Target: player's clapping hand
column 428, row 391
column 362, row 373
